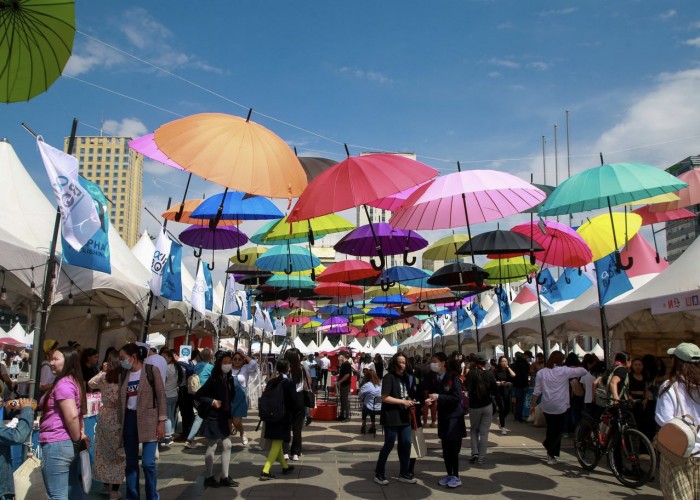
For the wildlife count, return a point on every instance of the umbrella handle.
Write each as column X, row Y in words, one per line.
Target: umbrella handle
column 386, row 285
column 313, row 274
column 290, row 270
column 210, row 266
column 658, row 259
column 537, row 277
column 421, row 305
column 533, row 260
column 351, row 303
column 567, row 279
column 382, row 261
column 529, row 279
column 620, row 265
column 238, row 256
column 405, row 259
column 311, row 235
column 580, row 271
column 197, row 253
column 403, row 309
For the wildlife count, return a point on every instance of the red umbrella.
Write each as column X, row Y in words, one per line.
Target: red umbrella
column 337, row 289
column 367, row 333
column 359, row 180
column 649, row 217
column 562, row 246
column 347, row 271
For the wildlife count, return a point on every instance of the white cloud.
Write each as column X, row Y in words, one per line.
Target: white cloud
column 504, row 63
column 558, row 12
column 494, row 74
column 541, row 65
column 664, row 120
column 668, row 14
column 693, row 42
column 373, row 76
column 91, row 55
column 505, row 26
column 128, row 127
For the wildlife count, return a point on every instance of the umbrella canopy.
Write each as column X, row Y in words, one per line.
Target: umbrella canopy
column 646, row 259
column 237, row 205
column 488, row 195
column 287, row 259
column 300, row 312
column 364, row 242
column 337, row 289
column 233, row 152
column 598, row 232
column 348, row 271
column 259, row 236
column 390, row 300
column 562, row 246
column 445, row 248
column 284, row 230
column 146, row 146
column 499, row 242
column 36, row 42
column 609, row 185
column 359, row 180
column 394, row 201
column 367, row 333
column 547, row 189
column 220, row 238
column 399, row 327
column 383, row 312
column 314, row 166
column 399, row 274
column 249, row 254
column 184, row 210
column 335, row 310
column 377, row 291
column 688, row 196
column 650, row 217
column 421, row 294
column 458, row 274
column 509, row 270
column 286, row 281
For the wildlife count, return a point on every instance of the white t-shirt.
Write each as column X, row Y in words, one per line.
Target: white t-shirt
column 667, row 407
column 324, row 363
column 159, row 361
column 244, row 372
column 553, row 385
column 171, row 380
column 587, row 383
column 132, row 389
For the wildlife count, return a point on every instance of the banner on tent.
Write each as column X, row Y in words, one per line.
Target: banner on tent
column 171, row 286
column 611, row 280
column 675, row 303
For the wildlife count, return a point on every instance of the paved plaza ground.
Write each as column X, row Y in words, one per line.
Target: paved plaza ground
column 338, row 463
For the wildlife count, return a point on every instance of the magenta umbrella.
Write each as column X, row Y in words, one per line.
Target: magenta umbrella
column 147, row 146
column 562, row 246
column 379, row 239
column 394, row 201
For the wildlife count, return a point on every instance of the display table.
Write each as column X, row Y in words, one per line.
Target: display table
column 326, row 411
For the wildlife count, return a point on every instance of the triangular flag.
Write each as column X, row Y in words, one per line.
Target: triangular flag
column 209, row 292
column 199, row 289
column 171, row 287
column 231, row 305
column 159, row 261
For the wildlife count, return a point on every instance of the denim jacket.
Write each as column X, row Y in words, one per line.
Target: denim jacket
column 9, row 437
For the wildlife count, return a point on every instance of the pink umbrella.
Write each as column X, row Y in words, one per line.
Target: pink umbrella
column 367, row 333
column 465, row 198
column 646, row 259
column 394, row 201
column 147, row 146
column 562, row 245
column 649, row 217
column 689, row 196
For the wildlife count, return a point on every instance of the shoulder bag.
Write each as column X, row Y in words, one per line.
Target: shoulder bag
column 676, row 439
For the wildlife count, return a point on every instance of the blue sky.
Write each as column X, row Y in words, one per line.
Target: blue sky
column 475, row 81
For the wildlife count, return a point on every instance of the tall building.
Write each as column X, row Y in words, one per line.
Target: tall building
column 680, row 234
column 112, row 165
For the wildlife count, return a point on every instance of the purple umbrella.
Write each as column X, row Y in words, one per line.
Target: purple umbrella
column 378, row 240
column 220, row 238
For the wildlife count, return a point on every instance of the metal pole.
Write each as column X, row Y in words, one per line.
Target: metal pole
column 190, row 324
column 543, row 331
column 544, row 161
column 147, row 319
column 568, row 156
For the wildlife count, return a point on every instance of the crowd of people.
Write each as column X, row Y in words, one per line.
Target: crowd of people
column 145, row 393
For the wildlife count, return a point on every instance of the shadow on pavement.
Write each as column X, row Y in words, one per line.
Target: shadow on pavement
column 368, row 489
column 275, row 489
column 523, row 481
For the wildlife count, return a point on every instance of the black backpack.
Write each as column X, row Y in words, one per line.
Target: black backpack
column 271, row 403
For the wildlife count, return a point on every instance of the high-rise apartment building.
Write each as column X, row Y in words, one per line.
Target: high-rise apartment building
column 680, row 234
column 112, row 165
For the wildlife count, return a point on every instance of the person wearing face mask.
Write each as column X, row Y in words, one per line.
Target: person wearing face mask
column 213, row 401
column 444, row 390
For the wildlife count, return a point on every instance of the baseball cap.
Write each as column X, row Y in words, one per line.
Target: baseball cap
column 690, row 353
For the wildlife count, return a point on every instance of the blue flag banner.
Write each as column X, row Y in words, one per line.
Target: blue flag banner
column 571, row 284
column 479, row 313
column 435, row 324
column 95, row 253
column 171, row 287
column 611, row 281
column 209, row 292
column 549, row 288
column 503, row 303
column 461, row 319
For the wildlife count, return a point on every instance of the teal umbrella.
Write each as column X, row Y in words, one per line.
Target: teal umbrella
column 284, row 281
column 259, row 237
column 287, row 259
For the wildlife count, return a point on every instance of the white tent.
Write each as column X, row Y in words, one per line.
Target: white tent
column 297, row 342
column 355, row 345
column 312, row 347
column 17, row 333
column 384, row 349
column 368, row 346
column 326, row 346
column 156, row 339
column 598, row 351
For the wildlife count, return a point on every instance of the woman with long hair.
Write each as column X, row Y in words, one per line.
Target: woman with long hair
column 504, row 381
column 109, row 464
column 394, row 417
column 279, row 432
column 61, row 428
column 370, row 395
column 298, row 375
column 379, row 365
column 89, row 360
column 445, row 391
column 174, row 375
column 243, row 367
column 481, row 386
column 553, row 385
column 680, row 395
column 142, row 413
column 213, row 401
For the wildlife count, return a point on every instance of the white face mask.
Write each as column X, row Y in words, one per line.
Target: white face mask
column 435, row 367
column 226, row 368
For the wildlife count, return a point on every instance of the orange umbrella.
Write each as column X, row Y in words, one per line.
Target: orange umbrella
column 233, row 152
column 187, row 208
column 418, row 294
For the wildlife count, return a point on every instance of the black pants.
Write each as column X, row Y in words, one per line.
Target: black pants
column 185, row 403
column 297, row 425
column 324, row 379
column 555, row 424
column 503, row 405
column 345, row 402
column 450, row 453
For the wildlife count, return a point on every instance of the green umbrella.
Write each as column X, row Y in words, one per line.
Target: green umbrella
column 445, row 248
column 36, row 39
column 509, row 270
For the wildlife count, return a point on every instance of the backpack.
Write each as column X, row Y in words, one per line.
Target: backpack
column 271, row 403
column 676, row 438
column 602, row 392
column 193, row 383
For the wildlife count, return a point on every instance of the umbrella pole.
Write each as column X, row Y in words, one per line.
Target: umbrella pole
column 178, row 215
column 378, row 246
column 543, row 331
column 190, row 324
column 604, row 324
column 503, row 327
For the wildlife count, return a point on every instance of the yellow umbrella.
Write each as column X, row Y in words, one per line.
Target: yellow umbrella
column 598, row 232
column 377, row 291
column 445, row 248
column 662, row 198
column 302, row 313
column 396, row 328
column 509, row 270
column 233, row 152
column 320, row 226
column 248, row 255
column 188, row 207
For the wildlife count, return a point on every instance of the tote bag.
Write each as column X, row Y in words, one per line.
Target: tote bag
column 29, row 483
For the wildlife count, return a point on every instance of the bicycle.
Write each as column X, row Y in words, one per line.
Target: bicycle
column 631, row 457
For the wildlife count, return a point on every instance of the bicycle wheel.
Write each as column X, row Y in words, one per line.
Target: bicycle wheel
column 632, row 459
column 586, row 444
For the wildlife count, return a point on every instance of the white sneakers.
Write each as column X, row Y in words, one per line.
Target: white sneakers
column 504, row 431
column 295, row 458
column 551, row 460
column 244, row 439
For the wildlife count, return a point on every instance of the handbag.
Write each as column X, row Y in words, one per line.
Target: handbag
column 418, row 446
column 86, row 470
column 309, row 396
column 540, row 420
column 29, row 483
column 676, row 438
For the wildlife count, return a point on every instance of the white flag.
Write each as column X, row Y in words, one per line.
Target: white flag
column 79, row 218
column 231, row 305
column 159, row 261
column 198, row 290
column 280, row 327
column 268, row 322
column 258, row 318
column 242, row 299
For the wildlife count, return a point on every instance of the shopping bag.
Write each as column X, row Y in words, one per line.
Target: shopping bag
column 29, row 483
column 86, row 470
column 418, row 447
column 540, row 421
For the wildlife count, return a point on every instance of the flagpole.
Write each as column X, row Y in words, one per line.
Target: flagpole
column 190, row 324
column 147, row 319
column 49, row 276
column 603, row 322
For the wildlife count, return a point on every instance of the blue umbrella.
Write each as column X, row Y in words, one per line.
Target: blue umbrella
column 287, row 259
column 330, row 309
column 399, row 274
column 383, row 312
column 421, row 282
column 335, row 310
column 393, row 300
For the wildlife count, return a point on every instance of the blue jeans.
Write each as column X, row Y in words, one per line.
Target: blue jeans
column 519, row 393
column 60, row 468
column 171, row 423
column 195, row 427
column 402, row 432
column 148, row 461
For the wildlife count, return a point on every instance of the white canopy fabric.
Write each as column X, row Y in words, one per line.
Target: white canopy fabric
column 326, row 346
column 297, row 342
column 384, row 349
column 18, row 333
column 598, row 351
column 355, row 345
column 156, row 339
column 312, row 347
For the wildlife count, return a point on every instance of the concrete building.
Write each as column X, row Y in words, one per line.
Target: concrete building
column 680, row 234
column 112, row 165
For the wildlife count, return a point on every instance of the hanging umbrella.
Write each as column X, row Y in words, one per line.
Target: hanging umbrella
column 357, row 181
column 221, row 238
column 36, row 42
column 285, row 281
column 445, row 248
column 367, row 333
column 348, row 271
column 547, row 190
column 379, row 239
column 660, row 198
column 233, row 152
column 458, row 274
column 304, row 304
column 296, row 320
column 259, row 236
column 598, row 232
column 284, row 230
column 651, row 217
column 561, row 245
column 300, row 312
column 181, row 213
column 377, row 291
column 417, row 309
column 499, row 242
column 236, row 205
column 337, row 289
column 287, row 259
column 340, row 330
column 689, row 195
column 390, row 300
column 335, row 321
column 335, row 310
column 249, row 254
column 399, row 327
column 399, row 274
column 383, row 312
column 146, row 146
column 421, row 294
column 510, row 269
column 314, row 166
column 394, row 201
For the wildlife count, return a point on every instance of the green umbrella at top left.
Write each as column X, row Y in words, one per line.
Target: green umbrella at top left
column 35, row 43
